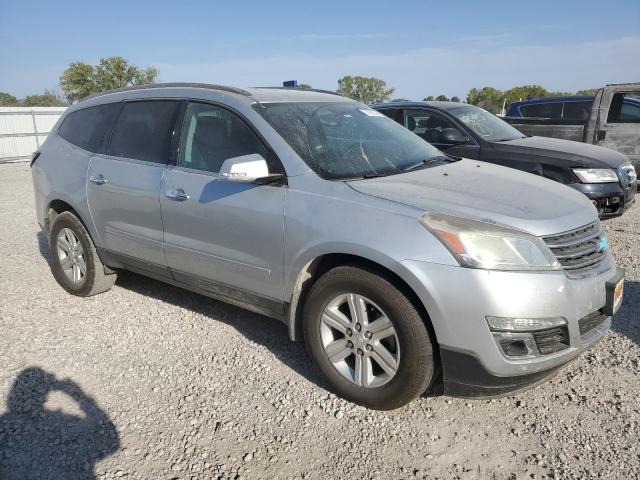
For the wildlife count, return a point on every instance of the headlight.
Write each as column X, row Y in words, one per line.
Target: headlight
column 482, row 245
column 595, row 175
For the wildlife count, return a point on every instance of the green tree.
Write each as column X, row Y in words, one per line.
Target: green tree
column 489, row 98
column 526, row 92
column 430, row 98
column 81, row 79
column 442, row 98
column 304, row 85
column 8, row 100
column 400, row 100
column 47, row 99
column 590, row 92
column 455, row 99
column 364, row 89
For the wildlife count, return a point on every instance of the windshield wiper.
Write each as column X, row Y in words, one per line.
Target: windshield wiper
column 427, row 161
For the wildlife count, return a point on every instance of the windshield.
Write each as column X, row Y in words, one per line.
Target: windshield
column 347, row 140
column 485, row 124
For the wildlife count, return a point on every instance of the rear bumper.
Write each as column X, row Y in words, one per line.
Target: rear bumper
column 610, row 199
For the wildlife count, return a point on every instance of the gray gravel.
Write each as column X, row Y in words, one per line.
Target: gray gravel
column 151, row 381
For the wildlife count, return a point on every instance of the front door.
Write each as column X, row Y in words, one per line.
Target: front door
column 429, row 124
column 620, row 130
column 221, row 236
column 123, row 185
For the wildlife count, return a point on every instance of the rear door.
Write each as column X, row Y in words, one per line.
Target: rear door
column 123, row 184
column 619, row 128
column 220, row 236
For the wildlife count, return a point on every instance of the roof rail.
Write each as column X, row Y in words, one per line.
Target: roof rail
column 304, row 89
column 622, row 84
column 209, row 86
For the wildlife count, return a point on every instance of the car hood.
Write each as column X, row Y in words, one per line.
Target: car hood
column 552, row 149
column 486, row 192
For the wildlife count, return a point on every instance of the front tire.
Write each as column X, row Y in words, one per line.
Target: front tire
column 367, row 338
column 76, row 265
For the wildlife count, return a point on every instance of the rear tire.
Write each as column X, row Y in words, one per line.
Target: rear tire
column 75, row 262
column 396, row 356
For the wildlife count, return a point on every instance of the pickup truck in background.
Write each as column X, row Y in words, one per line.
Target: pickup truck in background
column 610, row 119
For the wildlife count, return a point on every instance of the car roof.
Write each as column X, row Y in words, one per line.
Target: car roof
column 571, row 98
column 433, row 104
column 253, row 94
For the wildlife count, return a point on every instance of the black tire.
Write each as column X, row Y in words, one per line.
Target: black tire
column 416, row 368
column 95, row 280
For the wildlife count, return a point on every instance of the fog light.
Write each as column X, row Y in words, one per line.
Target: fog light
column 509, row 324
column 514, row 348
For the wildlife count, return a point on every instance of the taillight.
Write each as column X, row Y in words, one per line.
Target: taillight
column 34, row 157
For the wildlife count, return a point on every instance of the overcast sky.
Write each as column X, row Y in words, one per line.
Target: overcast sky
column 419, row 47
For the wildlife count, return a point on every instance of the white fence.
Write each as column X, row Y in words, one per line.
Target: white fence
column 23, row 129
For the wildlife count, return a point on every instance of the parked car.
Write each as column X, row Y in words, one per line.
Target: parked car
column 396, row 264
column 610, row 119
column 606, row 177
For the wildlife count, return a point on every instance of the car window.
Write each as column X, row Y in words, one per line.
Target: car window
column 86, row 128
column 542, row 110
column 143, row 130
column 484, row 124
column 576, row 110
column 428, row 124
column 625, row 108
column 211, row 135
column 347, row 140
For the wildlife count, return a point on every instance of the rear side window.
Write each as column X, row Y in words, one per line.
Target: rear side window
column 143, row 130
column 576, row 110
column 86, row 128
column 542, row 110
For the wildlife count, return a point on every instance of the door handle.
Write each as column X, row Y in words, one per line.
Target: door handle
column 178, row 195
column 98, row 179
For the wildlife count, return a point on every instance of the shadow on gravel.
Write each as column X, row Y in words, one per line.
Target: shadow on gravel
column 49, row 444
column 43, row 246
column 262, row 330
column 627, row 320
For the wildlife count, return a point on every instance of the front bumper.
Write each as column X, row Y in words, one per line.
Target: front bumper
column 459, row 299
column 610, row 199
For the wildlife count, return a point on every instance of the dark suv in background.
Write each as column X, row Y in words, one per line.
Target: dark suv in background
column 607, row 177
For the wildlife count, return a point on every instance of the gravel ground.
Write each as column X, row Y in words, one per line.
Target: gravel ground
column 151, row 381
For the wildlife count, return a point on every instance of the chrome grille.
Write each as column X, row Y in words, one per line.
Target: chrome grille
column 578, row 251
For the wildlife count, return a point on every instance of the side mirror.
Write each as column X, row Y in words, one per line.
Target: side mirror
column 452, row 136
column 247, row 169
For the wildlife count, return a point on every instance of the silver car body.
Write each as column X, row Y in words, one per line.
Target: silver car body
column 255, row 245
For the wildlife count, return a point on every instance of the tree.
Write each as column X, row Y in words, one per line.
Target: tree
column 81, row 79
column 589, row 92
column 455, row 99
column 428, row 99
column 47, row 99
column 8, row 100
column 442, row 98
column 364, row 89
column 400, row 100
column 488, row 98
column 304, row 85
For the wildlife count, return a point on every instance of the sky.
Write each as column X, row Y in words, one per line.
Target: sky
column 418, row 47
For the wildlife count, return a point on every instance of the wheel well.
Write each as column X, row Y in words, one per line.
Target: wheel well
column 56, row 207
column 323, row 264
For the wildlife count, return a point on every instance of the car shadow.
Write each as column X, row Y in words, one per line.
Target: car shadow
column 43, row 247
column 37, row 442
column 260, row 329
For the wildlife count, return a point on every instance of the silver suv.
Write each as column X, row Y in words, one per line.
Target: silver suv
column 398, row 265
